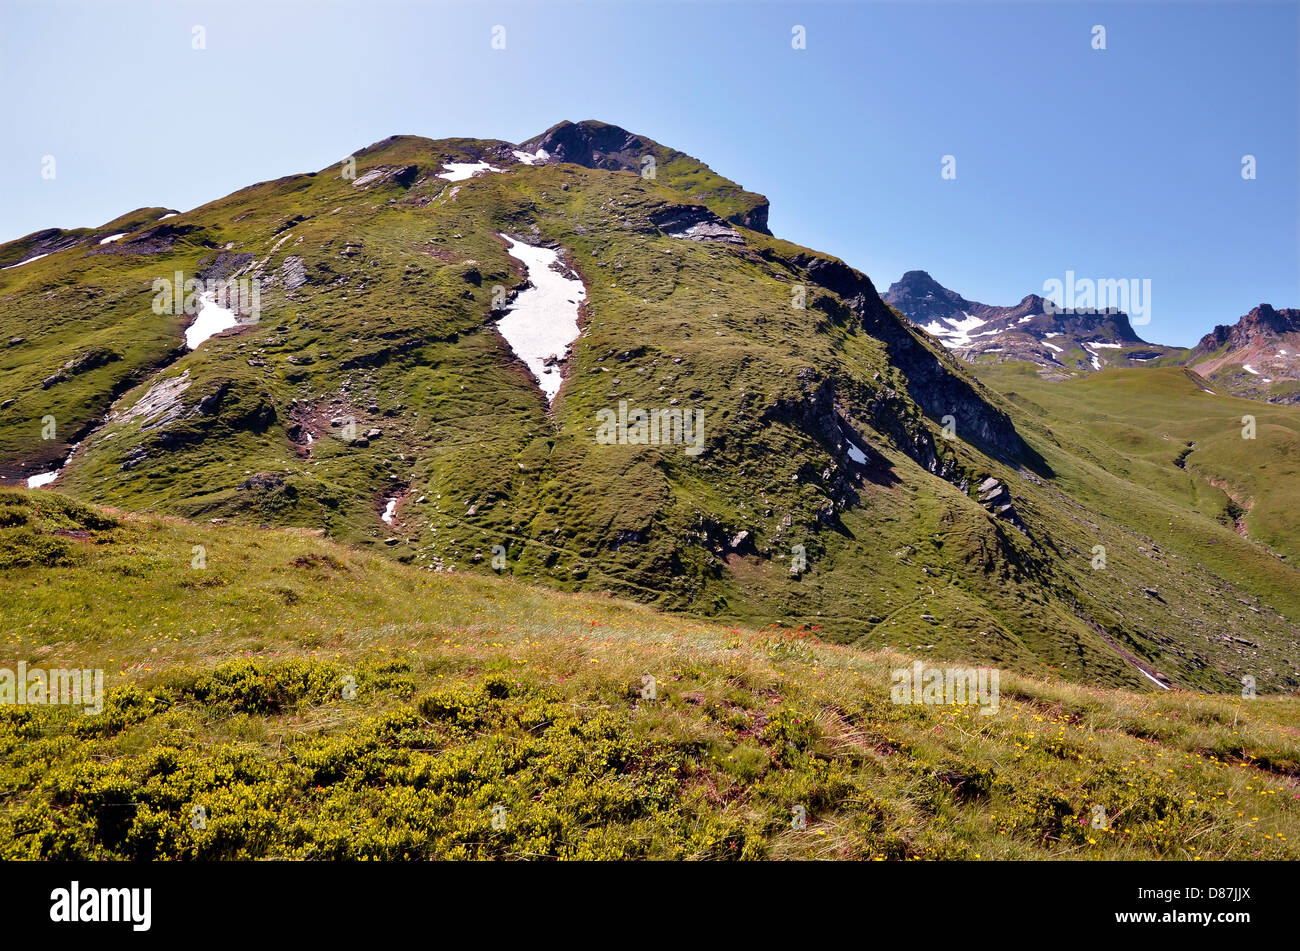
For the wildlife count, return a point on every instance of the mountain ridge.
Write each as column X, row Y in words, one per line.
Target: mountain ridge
column 1034, row 330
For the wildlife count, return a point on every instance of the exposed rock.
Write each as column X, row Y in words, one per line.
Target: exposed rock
column 263, row 482
column 89, row 360
column 695, row 223
column 294, row 272
column 403, row 175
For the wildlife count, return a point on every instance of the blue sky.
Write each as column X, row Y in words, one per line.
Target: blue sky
column 1122, row 163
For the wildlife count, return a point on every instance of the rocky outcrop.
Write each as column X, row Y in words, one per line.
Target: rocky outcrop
column 1262, row 321
column 937, row 388
column 595, row 144
column 223, row 266
column 82, row 363
column 401, row 175
column 294, row 272
column 694, row 223
column 38, row 243
column 995, row 497
column 152, row 241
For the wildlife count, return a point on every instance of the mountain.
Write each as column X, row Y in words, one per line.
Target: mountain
column 555, row 361
column 1059, row 343
column 1257, row 357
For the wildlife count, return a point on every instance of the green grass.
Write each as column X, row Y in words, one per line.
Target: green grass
column 479, row 698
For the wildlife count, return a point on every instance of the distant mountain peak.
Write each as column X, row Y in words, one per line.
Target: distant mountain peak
column 1257, row 357
column 921, row 298
column 1032, row 330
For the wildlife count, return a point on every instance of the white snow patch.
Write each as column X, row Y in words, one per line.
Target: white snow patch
column 459, row 171
column 212, row 318
column 389, row 509
column 1053, row 346
column 170, row 214
column 958, row 333
column 528, row 158
column 1108, row 346
column 855, row 451
column 21, row 263
column 1049, row 336
column 1250, row 369
column 1152, row 679
column 543, row 320
column 114, row 237
column 45, row 478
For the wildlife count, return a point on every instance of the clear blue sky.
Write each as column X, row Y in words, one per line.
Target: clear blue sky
column 1123, row 163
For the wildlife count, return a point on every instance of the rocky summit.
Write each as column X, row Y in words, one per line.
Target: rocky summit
column 1257, row 357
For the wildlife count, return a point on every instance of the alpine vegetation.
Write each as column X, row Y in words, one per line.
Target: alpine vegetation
column 946, row 686
column 666, row 426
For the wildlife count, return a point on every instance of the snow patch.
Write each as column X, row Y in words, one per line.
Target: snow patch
column 114, row 237
column 170, row 214
column 389, row 509
column 958, row 333
column 212, row 318
column 528, row 158
column 21, row 263
column 1250, row 369
column 45, row 478
column 855, row 451
column 459, row 171
column 543, row 320
column 1053, row 346
column 1152, row 679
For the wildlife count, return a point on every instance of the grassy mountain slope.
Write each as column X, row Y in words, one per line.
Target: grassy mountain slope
column 377, row 305
column 1161, row 428
column 479, row 698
